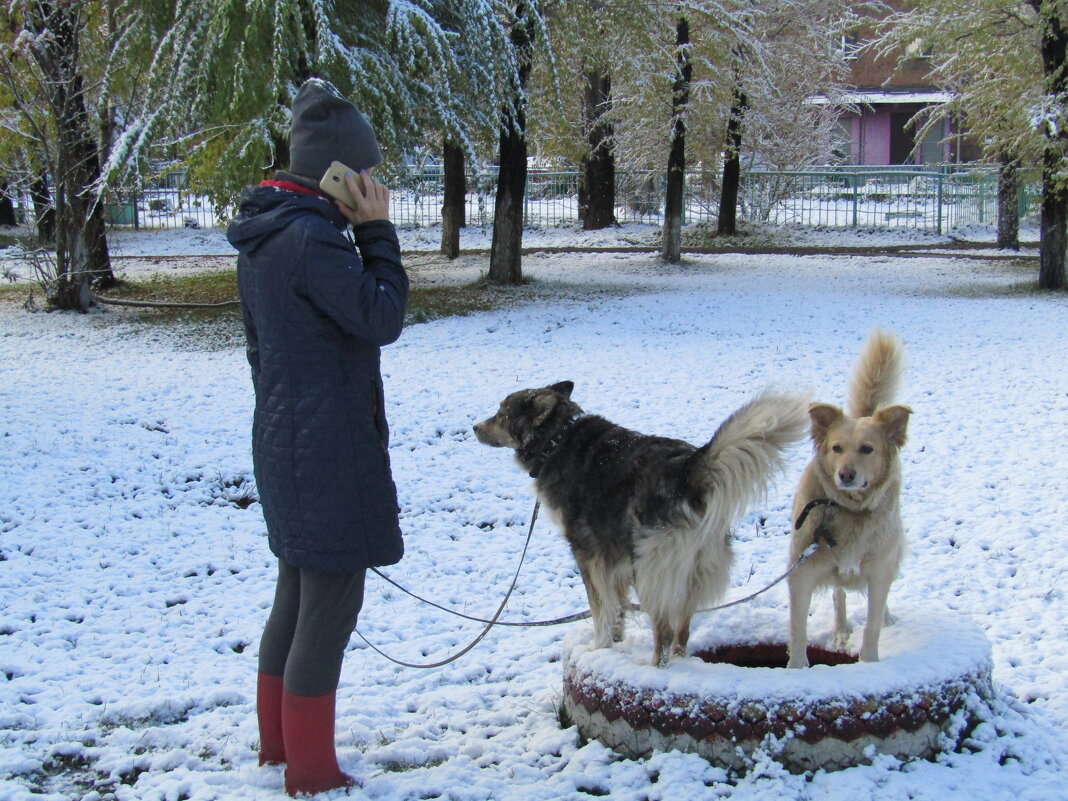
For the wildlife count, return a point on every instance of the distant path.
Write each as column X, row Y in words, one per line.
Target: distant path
column 969, row 250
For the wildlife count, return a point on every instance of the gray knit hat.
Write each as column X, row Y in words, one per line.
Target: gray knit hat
column 327, row 127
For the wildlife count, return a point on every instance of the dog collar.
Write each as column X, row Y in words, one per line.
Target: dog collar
column 553, row 445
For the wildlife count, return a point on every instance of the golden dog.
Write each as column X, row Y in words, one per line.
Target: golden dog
column 849, row 501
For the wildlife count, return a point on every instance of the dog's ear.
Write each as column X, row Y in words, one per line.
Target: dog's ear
column 822, row 416
column 544, row 403
column 894, row 421
column 564, row 388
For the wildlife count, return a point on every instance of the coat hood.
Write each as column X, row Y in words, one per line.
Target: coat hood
column 265, row 210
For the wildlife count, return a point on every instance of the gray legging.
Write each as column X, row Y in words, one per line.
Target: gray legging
column 313, row 616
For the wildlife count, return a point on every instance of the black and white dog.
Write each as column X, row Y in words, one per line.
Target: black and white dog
column 645, row 511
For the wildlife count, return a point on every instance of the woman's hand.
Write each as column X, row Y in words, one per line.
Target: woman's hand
column 372, row 199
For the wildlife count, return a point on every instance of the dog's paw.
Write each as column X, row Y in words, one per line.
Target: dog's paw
column 661, row 656
column 841, row 639
column 602, row 642
column 869, row 655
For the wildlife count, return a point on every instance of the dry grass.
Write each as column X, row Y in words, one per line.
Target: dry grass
column 425, row 303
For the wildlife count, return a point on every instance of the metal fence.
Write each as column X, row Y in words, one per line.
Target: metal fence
column 165, row 207
column 849, row 197
column 877, row 198
column 844, row 197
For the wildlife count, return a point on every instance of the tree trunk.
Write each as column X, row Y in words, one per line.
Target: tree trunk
column 72, row 262
column 671, row 247
column 7, row 207
column 1054, row 224
column 86, row 209
column 454, row 205
column 1054, row 221
column 96, row 228
column 99, row 257
column 79, row 214
column 1009, row 202
column 732, row 166
column 597, row 190
column 280, row 146
column 506, row 248
column 44, row 210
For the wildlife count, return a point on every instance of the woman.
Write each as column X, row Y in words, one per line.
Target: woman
column 317, row 307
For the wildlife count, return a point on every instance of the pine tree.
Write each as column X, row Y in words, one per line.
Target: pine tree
column 506, row 245
column 473, row 93
column 228, row 71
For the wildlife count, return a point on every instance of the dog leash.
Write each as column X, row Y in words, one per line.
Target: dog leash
column 495, row 620
column 556, row 621
column 823, row 530
column 489, row 623
column 811, row 549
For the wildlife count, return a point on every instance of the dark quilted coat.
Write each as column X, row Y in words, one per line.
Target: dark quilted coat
column 315, row 315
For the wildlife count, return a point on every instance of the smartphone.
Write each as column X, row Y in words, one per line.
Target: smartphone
column 333, row 183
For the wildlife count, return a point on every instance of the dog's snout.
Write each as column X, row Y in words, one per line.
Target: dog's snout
column 846, row 476
column 485, row 433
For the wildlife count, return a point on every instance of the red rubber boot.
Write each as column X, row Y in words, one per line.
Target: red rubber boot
column 308, row 728
column 269, row 714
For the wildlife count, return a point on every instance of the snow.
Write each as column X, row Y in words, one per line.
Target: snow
column 212, row 241
column 134, row 583
column 920, row 650
column 876, row 98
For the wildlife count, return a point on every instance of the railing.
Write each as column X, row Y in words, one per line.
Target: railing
column 844, row 197
column 864, row 197
column 870, row 198
column 164, row 208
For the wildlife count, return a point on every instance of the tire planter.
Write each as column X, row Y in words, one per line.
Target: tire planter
column 734, row 697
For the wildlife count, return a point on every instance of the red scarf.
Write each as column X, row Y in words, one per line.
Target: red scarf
column 289, row 186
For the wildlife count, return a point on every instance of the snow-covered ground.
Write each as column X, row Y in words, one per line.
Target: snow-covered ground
column 212, row 241
column 134, row 582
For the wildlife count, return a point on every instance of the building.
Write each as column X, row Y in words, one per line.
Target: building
column 888, row 91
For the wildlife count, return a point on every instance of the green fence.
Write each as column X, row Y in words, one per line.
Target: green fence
column 860, row 197
column 844, row 197
column 872, row 198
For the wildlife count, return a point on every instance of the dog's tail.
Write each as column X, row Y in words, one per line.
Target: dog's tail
column 734, row 468
column 877, row 374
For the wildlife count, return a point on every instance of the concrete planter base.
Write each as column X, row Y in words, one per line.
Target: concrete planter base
column 734, row 698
